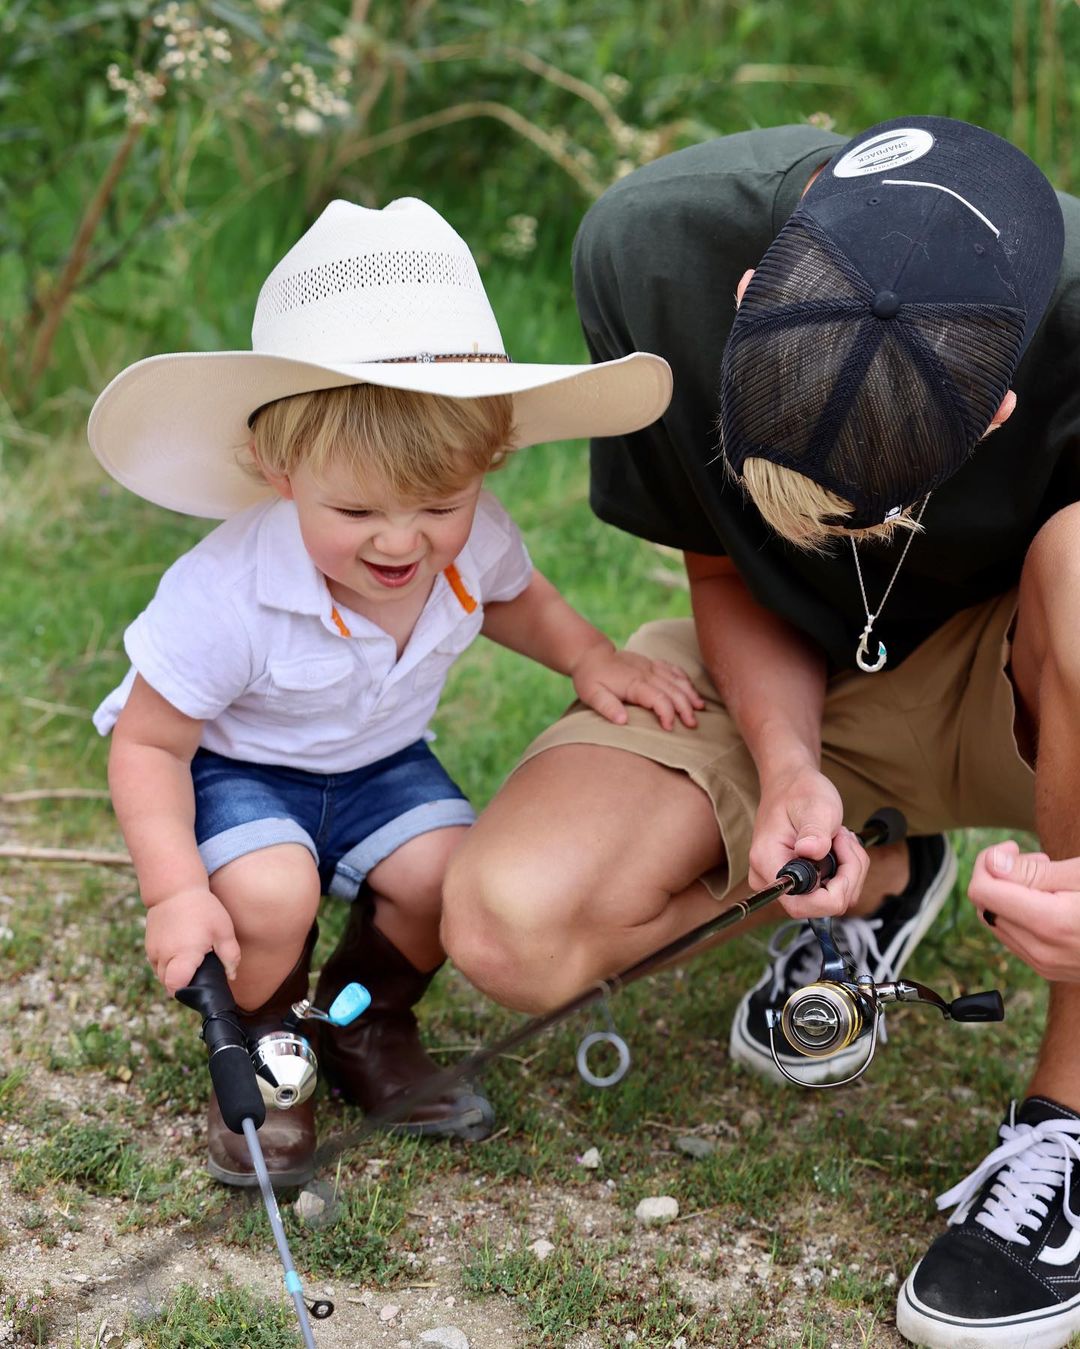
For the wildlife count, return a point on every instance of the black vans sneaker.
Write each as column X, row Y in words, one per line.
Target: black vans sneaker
column 878, row 945
column 1006, row 1275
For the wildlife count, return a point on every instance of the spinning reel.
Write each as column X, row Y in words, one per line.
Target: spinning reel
column 843, row 1006
column 283, row 1062
column 286, row 1068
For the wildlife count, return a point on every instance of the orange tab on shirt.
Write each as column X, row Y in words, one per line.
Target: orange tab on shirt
column 457, row 585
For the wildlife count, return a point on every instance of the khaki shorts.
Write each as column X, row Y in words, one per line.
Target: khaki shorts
column 934, row 737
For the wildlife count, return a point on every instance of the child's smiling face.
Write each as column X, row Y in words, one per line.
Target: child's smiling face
column 373, row 547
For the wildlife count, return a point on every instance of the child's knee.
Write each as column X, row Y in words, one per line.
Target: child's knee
column 412, row 876
column 271, row 892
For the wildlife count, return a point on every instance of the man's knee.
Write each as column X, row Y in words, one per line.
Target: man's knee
column 502, row 916
column 1052, row 565
column 1049, row 601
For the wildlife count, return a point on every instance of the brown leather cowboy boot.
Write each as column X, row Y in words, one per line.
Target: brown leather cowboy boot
column 380, row 1054
column 287, row 1136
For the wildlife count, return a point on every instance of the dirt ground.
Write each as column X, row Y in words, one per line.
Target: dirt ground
column 93, row 1276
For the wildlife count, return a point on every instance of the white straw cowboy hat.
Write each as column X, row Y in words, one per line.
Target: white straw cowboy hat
column 389, row 297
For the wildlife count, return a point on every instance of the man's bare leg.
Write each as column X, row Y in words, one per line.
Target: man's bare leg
column 587, row 860
column 1046, row 673
column 1005, row 1273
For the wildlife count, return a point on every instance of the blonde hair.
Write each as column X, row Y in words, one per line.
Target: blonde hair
column 418, row 444
column 804, row 513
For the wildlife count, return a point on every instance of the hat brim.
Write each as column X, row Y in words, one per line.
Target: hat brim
column 171, row 428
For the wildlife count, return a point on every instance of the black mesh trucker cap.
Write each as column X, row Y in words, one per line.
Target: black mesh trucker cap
column 882, row 327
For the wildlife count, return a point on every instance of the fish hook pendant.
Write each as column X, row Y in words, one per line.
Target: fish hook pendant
column 862, row 652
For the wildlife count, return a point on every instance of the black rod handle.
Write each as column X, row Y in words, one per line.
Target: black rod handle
column 886, row 825
column 231, row 1069
column 208, row 993
column 806, row 874
column 236, row 1087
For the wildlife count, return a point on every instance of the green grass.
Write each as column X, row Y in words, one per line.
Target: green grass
column 370, row 1239
column 585, row 1285
column 98, row 1159
column 230, row 1319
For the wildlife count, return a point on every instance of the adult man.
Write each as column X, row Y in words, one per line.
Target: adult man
column 876, row 346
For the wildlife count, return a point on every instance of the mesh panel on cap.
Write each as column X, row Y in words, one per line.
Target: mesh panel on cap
column 404, row 267
column 879, row 411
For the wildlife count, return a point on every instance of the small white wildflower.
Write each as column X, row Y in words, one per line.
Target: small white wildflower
column 648, row 146
column 344, row 47
column 520, row 237
column 305, row 121
column 615, row 86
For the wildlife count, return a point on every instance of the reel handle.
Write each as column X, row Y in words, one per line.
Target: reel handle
column 986, row 1006
column 231, row 1071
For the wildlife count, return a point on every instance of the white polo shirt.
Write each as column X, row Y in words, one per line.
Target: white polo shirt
column 244, row 635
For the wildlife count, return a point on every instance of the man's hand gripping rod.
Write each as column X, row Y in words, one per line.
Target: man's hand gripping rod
column 798, row 877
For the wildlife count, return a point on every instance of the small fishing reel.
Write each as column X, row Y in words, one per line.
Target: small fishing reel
column 286, row 1068
column 842, row 1006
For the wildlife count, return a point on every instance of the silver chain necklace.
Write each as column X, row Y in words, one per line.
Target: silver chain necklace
column 862, row 651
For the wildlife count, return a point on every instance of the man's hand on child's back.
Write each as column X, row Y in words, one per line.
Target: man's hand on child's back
column 184, row 928
column 605, row 679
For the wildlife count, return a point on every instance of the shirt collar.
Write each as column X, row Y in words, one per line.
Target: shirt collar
column 286, row 577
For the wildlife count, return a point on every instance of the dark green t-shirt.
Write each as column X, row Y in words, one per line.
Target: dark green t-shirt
column 656, row 263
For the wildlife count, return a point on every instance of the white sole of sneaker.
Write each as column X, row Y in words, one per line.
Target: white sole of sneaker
column 744, row 1049
column 1048, row 1329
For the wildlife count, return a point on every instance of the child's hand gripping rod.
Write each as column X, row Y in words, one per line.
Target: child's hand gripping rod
column 241, row 1102
column 797, row 877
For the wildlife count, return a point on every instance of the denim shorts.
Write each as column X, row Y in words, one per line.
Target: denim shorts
column 349, row 822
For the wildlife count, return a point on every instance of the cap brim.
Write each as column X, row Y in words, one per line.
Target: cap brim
column 171, row 428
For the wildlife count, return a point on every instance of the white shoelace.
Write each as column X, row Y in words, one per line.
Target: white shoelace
column 1035, row 1162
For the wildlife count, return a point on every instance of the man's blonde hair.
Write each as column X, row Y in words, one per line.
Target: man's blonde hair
column 803, row 512
column 419, row 444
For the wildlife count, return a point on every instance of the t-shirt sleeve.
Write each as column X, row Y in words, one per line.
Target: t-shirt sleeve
column 503, row 565
column 189, row 643
column 638, row 481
